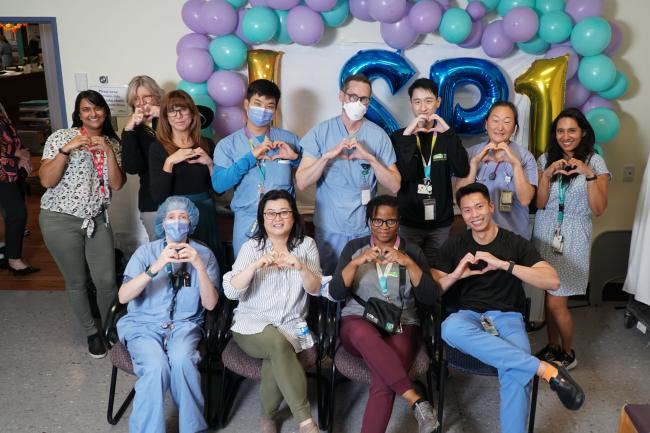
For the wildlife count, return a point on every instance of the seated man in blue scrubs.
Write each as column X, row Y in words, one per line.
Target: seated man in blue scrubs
column 484, row 268
column 345, row 157
column 168, row 283
column 255, row 159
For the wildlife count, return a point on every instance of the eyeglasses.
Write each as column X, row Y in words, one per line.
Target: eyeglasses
column 147, row 99
column 271, row 215
column 378, row 222
column 365, row 100
column 175, row 112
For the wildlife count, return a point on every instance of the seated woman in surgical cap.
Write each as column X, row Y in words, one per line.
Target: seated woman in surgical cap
column 168, row 284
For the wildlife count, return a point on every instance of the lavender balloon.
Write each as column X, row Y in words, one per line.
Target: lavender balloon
column 596, row 101
column 255, row 3
column 192, row 40
column 399, row 35
column 424, row 16
column 575, row 94
column 194, row 65
column 387, row 11
column 476, row 10
column 239, row 31
column 560, row 50
column 228, row 120
column 520, row 24
column 191, row 15
column 320, row 5
column 282, row 5
column 305, row 26
column 227, row 88
column 218, row 17
column 359, row 9
column 474, row 38
column 495, row 42
column 581, row 9
column 615, row 42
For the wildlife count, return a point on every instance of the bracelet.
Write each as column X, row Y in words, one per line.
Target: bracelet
column 589, row 179
column 511, row 266
column 149, row 273
column 63, row 151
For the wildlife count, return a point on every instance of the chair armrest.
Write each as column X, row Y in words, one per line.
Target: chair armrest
column 116, row 312
column 331, row 326
column 218, row 323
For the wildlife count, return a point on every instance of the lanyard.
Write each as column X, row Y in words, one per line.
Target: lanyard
column 425, row 164
column 562, row 187
column 260, row 166
column 382, row 274
column 98, row 158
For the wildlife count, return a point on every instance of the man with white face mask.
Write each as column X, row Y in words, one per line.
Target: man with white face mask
column 346, row 156
column 255, row 159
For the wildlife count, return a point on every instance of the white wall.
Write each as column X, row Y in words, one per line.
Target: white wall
column 124, row 38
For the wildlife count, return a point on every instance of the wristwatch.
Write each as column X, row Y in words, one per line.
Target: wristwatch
column 589, row 179
column 151, row 274
column 63, row 151
column 511, row 266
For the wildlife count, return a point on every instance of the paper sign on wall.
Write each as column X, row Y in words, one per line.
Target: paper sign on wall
column 115, row 98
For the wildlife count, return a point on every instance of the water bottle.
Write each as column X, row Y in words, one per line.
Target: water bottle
column 305, row 340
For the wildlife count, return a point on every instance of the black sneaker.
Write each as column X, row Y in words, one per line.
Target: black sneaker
column 96, row 346
column 567, row 361
column 548, row 354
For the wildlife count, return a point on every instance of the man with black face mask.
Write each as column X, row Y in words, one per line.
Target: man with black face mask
column 255, row 159
column 346, row 156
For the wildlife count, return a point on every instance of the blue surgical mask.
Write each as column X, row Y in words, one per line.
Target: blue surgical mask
column 260, row 116
column 176, row 230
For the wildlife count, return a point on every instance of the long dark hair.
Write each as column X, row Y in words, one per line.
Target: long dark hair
column 97, row 99
column 586, row 147
column 297, row 234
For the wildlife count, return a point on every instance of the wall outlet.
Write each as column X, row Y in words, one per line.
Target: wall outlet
column 628, row 173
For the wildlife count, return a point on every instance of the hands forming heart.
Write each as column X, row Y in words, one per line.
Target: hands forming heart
column 419, row 124
column 352, row 149
column 280, row 259
column 497, row 153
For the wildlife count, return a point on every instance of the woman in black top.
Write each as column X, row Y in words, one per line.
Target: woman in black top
column 144, row 97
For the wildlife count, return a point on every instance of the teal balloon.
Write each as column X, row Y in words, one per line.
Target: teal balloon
column 208, row 133
column 455, row 26
column 618, row 89
column 505, row 5
column 597, row 73
column 206, row 101
column 228, row 52
column 546, row 6
column 260, row 24
column 598, row 149
column 555, row 27
column 336, row 16
column 282, row 36
column 591, row 36
column 605, row 123
column 490, row 5
column 193, row 88
column 535, row 46
column 237, row 3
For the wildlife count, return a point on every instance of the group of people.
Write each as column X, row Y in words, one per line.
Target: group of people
column 397, row 250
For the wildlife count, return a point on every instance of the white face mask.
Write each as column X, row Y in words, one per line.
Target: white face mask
column 355, row 110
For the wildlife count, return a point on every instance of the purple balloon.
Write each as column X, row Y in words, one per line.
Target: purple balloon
column 476, row 10
column 255, row 3
column 575, row 94
column 399, row 35
column 192, row 40
column 444, row 4
column 239, row 32
column 282, row 5
column 228, row 120
column 424, row 16
column 194, row 65
column 218, row 17
column 520, row 24
column 305, row 26
column 191, row 15
column 320, row 5
column 581, row 9
column 226, row 88
column 475, row 35
column 615, row 42
column 387, row 11
column 495, row 42
column 596, row 101
column 359, row 9
column 574, row 60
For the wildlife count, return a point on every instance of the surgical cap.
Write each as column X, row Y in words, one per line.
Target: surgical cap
column 173, row 203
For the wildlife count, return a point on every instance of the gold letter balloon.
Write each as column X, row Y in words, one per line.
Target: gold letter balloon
column 266, row 64
column 544, row 84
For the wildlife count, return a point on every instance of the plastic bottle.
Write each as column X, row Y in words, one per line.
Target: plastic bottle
column 305, row 340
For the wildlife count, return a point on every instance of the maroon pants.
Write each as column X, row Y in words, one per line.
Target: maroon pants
column 389, row 358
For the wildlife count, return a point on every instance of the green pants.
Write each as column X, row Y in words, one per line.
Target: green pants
column 72, row 250
column 282, row 374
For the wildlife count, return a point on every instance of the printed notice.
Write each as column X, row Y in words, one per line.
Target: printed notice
column 115, row 98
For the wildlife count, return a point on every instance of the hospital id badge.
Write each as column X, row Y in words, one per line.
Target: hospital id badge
column 429, row 209
column 425, row 188
column 558, row 243
column 505, row 201
column 365, row 196
column 488, row 326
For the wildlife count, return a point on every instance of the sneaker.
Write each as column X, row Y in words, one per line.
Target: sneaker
column 548, row 354
column 310, row 427
column 567, row 361
column 426, row 416
column 96, row 346
column 268, row 425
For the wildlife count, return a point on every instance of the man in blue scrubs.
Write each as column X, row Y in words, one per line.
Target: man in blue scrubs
column 255, row 159
column 345, row 156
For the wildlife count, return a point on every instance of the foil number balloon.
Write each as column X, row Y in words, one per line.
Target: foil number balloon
column 266, row 64
column 544, row 84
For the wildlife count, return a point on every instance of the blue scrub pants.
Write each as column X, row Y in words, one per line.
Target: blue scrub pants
column 509, row 353
column 330, row 245
column 241, row 230
column 162, row 360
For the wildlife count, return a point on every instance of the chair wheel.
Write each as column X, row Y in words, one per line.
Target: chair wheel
column 629, row 320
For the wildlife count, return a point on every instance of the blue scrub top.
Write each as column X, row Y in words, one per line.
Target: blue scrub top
column 151, row 307
column 338, row 191
column 517, row 219
column 232, row 149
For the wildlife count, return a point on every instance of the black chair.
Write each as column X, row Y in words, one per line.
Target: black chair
column 343, row 366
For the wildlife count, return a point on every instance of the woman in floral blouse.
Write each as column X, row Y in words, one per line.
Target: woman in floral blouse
column 80, row 167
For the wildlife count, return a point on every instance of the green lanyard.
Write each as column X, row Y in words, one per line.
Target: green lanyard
column 382, row 274
column 427, row 165
column 260, row 166
column 562, row 187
